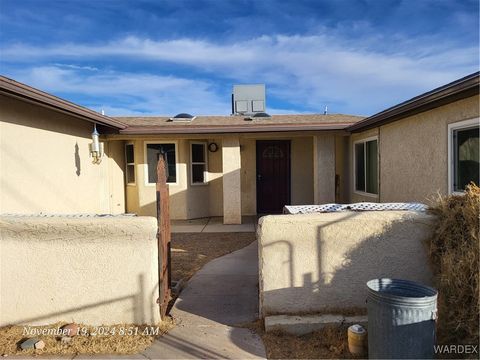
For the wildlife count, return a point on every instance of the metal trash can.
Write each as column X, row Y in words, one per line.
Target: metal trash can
column 401, row 319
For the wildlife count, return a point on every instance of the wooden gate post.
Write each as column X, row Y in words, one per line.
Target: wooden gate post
column 163, row 238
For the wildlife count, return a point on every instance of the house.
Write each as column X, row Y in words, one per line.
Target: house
column 234, row 165
column 424, row 146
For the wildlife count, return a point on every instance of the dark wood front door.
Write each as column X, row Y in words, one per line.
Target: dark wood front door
column 273, row 175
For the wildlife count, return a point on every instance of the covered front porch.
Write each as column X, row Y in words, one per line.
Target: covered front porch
column 235, row 177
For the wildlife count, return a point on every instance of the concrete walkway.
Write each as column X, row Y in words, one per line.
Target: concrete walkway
column 224, row 293
column 212, row 225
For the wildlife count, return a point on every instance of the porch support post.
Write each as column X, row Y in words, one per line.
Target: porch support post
column 324, row 169
column 231, row 164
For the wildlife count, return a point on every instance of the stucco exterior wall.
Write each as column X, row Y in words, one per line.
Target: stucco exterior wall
column 248, row 148
column 414, row 152
column 232, row 194
column 45, row 164
column 302, row 170
column 324, row 169
column 195, row 201
column 87, row 270
column 310, row 263
column 342, row 189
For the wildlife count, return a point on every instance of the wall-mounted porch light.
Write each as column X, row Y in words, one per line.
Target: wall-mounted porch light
column 96, row 147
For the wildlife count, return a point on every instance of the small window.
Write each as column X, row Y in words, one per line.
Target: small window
column 130, row 164
column 464, row 150
column 366, row 166
column 198, row 156
column 168, row 151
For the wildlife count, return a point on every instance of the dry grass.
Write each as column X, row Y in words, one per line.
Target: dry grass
column 190, row 251
column 328, row 343
column 454, row 251
column 12, row 336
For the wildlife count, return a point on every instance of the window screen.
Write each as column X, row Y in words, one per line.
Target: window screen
column 366, row 167
column 360, row 167
column 129, row 164
column 466, row 157
column 372, row 167
column 198, row 162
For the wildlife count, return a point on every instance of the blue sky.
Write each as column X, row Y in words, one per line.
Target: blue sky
column 162, row 57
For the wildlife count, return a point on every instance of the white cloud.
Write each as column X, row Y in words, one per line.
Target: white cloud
column 310, row 71
column 121, row 93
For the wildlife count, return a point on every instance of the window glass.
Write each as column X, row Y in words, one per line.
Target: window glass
column 154, row 151
column 129, row 153
column 129, row 164
column 198, row 165
column 130, row 174
column 466, row 157
column 198, row 153
column 360, row 167
column 198, row 173
column 372, row 167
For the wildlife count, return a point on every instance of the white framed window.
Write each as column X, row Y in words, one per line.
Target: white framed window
column 198, row 163
column 365, row 166
column 463, row 155
column 130, row 164
column 153, row 150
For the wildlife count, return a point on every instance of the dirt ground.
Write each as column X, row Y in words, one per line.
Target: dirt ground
column 328, row 343
column 190, row 251
column 120, row 339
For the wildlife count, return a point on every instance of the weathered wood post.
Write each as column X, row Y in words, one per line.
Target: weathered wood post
column 163, row 238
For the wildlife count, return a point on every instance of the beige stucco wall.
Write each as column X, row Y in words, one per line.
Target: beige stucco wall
column 310, row 263
column 324, row 169
column 302, row 170
column 342, row 169
column 248, row 153
column 413, row 153
column 195, row 201
column 45, row 164
column 231, row 167
column 86, row 270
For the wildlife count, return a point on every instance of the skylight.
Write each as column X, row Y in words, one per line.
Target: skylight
column 261, row 115
column 182, row 117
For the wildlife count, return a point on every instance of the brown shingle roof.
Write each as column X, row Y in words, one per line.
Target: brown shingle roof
column 237, row 123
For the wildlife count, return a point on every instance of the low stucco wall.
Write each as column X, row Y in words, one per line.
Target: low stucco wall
column 89, row 270
column 316, row 262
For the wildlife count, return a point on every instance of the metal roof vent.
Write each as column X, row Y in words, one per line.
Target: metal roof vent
column 182, row 117
column 248, row 99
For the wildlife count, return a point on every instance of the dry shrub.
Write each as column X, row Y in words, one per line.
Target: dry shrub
column 454, row 251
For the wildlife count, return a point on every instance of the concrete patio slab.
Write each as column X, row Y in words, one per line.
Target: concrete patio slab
column 216, row 225
column 213, row 225
column 186, row 226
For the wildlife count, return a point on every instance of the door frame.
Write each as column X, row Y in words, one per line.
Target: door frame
column 288, row 142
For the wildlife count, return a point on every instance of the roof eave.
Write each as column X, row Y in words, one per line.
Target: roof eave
column 458, row 90
column 153, row 130
column 26, row 93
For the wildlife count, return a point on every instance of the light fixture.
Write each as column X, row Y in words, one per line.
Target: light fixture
column 96, row 147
